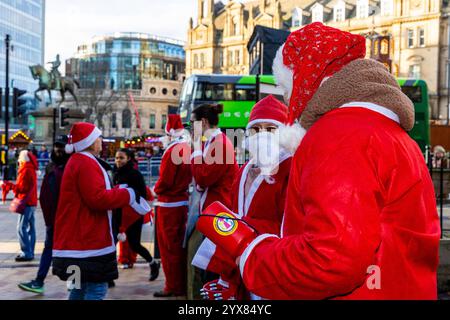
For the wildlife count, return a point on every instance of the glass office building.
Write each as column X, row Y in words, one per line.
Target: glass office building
column 120, row 61
column 23, row 20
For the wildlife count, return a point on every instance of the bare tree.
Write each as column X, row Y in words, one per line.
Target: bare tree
column 99, row 103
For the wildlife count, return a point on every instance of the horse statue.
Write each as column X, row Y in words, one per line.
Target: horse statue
column 48, row 83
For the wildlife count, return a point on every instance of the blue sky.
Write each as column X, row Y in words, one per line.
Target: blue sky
column 71, row 22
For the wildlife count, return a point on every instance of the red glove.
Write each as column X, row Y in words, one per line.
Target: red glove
column 225, row 229
column 216, row 291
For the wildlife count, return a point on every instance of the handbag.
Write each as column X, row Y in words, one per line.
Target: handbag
column 18, row 205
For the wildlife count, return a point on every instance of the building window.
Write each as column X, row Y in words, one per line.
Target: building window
column 317, row 13
column 114, row 120
column 175, row 92
column 230, row 58
column 297, row 17
column 153, row 90
column 164, row 91
column 414, row 71
column 221, row 62
column 152, row 121
column 387, row 7
column 238, row 57
column 126, row 119
column 163, row 121
column 421, row 37
column 202, row 60
column 410, row 38
column 362, row 9
column 196, row 61
column 339, row 11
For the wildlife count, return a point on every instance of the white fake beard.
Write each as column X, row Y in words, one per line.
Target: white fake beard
column 265, row 150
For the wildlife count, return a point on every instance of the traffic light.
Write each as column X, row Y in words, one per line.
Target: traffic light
column 63, row 116
column 18, row 101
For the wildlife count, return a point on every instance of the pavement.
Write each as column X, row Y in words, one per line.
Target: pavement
column 133, row 284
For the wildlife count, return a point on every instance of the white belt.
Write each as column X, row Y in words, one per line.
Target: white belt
column 172, row 204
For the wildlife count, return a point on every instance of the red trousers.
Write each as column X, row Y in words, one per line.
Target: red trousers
column 171, row 228
column 126, row 255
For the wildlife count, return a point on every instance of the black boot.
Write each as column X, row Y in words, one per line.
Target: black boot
column 154, row 270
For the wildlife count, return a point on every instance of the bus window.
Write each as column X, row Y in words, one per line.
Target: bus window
column 245, row 93
column 413, row 93
column 188, row 89
column 214, row 92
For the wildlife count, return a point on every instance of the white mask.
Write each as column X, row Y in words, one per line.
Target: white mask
column 264, row 148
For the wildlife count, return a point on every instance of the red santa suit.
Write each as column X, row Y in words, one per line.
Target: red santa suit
column 171, row 217
column 83, row 233
column 256, row 199
column 360, row 220
column 214, row 169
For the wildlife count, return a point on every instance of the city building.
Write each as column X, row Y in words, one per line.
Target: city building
column 121, row 61
column 24, row 21
column 129, row 83
column 409, row 36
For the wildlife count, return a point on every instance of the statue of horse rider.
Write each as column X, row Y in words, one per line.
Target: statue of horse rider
column 55, row 74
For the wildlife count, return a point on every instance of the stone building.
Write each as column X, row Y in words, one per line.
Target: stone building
column 414, row 33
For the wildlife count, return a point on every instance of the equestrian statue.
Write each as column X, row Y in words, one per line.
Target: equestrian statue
column 53, row 80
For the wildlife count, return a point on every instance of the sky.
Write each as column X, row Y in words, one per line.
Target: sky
column 70, row 23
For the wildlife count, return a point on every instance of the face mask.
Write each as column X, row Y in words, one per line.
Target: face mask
column 264, row 148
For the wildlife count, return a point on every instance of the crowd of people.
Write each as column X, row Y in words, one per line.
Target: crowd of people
column 336, row 201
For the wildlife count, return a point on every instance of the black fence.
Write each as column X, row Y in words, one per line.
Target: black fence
column 439, row 168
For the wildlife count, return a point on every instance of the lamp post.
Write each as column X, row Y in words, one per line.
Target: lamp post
column 8, row 48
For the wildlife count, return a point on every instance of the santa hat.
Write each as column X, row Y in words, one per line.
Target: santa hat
column 269, row 110
column 174, row 126
column 82, row 136
column 311, row 55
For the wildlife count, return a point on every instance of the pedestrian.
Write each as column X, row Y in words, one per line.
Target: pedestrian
column 360, row 220
column 48, row 198
column 84, row 249
column 25, row 190
column 125, row 173
column 214, row 168
column 43, row 154
column 172, row 207
column 258, row 194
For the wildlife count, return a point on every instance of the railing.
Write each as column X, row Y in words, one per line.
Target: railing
column 439, row 168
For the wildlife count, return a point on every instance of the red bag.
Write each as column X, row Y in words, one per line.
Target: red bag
column 18, row 205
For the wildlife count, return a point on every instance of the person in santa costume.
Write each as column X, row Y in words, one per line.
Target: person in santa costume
column 172, row 207
column 214, row 168
column 258, row 193
column 84, row 250
column 360, row 219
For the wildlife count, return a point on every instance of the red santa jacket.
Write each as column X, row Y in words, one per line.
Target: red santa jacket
column 26, row 184
column 360, row 221
column 214, row 169
column 175, row 175
column 83, row 219
column 263, row 208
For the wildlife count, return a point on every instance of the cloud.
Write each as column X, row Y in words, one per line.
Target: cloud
column 69, row 23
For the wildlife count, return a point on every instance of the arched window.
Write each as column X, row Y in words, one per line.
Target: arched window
column 126, row 119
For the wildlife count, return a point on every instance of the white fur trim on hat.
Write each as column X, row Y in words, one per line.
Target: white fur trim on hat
column 283, row 75
column 176, row 133
column 275, row 122
column 87, row 142
column 291, row 137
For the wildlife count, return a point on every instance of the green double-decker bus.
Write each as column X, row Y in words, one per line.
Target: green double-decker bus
column 238, row 96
